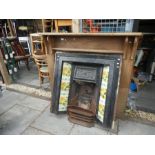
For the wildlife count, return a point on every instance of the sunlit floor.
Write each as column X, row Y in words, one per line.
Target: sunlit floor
column 30, row 77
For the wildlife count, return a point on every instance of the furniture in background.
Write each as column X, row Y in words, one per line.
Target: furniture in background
column 3, row 70
column 41, row 62
column 47, row 25
column 24, row 27
column 7, row 61
column 7, row 28
column 39, row 55
column 37, row 43
column 60, row 23
column 24, row 41
column 20, row 54
column 1, row 77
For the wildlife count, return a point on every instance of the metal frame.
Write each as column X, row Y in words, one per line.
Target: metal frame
column 82, row 78
column 107, row 25
column 25, row 39
column 112, row 60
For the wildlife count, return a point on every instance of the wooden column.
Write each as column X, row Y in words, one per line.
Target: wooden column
column 126, row 75
column 49, row 42
column 75, row 25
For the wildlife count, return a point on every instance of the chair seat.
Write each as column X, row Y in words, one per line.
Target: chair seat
column 44, row 69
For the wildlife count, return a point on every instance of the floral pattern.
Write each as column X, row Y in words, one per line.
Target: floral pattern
column 103, row 93
column 65, row 86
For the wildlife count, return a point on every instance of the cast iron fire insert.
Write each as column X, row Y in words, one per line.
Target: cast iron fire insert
column 85, row 86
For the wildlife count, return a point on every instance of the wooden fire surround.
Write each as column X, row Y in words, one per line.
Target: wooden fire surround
column 125, row 44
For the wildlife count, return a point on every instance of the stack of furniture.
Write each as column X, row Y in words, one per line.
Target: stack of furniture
column 13, row 53
column 20, row 54
column 40, row 58
column 8, row 56
column 47, row 25
column 61, row 24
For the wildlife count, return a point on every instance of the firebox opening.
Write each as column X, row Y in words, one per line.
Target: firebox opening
column 82, row 106
column 83, row 95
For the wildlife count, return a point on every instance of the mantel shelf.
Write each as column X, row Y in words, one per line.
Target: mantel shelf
column 87, row 50
column 116, row 34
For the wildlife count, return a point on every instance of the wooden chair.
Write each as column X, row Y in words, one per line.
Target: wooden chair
column 41, row 62
column 37, row 44
column 39, row 56
column 20, row 54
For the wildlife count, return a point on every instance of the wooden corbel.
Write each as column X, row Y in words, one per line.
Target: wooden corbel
column 45, row 44
column 125, row 47
column 134, row 47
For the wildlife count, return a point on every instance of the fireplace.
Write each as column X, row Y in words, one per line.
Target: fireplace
column 85, row 87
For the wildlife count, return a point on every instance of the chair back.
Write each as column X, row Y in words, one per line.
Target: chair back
column 17, row 47
column 40, row 59
column 37, row 44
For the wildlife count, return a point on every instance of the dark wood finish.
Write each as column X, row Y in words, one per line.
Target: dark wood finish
column 20, row 54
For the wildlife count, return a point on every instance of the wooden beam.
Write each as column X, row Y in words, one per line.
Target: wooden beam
column 43, row 25
column 49, row 44
column 134, row 48
column 86, row 50
column 75, row 25
column 117, row 34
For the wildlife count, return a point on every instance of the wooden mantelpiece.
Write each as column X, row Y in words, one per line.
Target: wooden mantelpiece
column 111, row 43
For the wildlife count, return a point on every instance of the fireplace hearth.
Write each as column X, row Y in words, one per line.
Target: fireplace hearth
column 85, row 87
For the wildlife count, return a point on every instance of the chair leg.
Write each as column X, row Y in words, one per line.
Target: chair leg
column 17, row 64
column 49, row 78
column 41, row 79
column 27, row 64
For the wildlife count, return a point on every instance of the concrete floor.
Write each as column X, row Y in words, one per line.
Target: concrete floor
column 145, row 98
column 30, row 77
column 24, row 115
